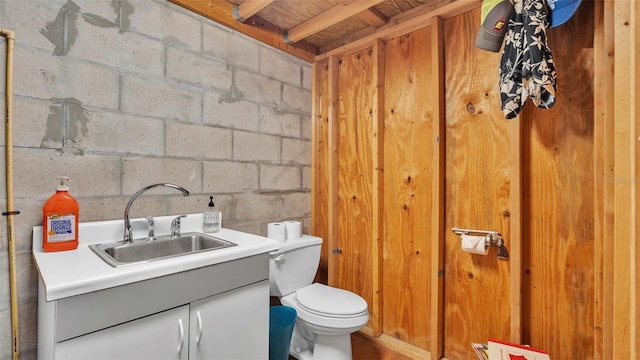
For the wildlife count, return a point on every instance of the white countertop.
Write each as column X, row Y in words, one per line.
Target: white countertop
column 75, row 272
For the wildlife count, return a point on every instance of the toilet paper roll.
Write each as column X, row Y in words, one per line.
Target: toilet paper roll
column 293, row 229
column 474, row 244
column 276, row 231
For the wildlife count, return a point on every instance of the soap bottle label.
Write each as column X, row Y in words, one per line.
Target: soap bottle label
column 61, row 228
column 211, row 222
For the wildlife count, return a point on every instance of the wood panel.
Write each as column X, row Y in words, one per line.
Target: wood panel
column 356, row 89
column 603, row 164
column 626, row 33
column 320, row 162
column 477, row 288
column 408, row 187
column 558, row 284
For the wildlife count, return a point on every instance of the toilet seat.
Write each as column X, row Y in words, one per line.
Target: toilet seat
column 323, row 300
column 326, row 314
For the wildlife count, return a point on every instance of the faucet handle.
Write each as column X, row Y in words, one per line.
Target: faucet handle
column 175, row 225
column 152, row 231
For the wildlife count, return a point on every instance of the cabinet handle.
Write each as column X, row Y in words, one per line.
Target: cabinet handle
column 181, row 328
column 199, row 328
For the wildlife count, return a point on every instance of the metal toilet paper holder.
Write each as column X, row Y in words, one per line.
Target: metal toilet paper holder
column 492, row 238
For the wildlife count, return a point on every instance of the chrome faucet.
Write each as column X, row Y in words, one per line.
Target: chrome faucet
column 128, row 236
column 175, row 225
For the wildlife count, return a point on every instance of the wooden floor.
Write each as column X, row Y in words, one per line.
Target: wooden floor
column 364, row 348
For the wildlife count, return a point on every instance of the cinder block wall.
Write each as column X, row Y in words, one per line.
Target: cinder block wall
column 120, row 94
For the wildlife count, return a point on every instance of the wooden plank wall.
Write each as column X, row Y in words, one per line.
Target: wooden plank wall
column 477, row 288
column 551, row 183
column 321, row 161
column 558, row 150
column 408, row 187
column 356, row 237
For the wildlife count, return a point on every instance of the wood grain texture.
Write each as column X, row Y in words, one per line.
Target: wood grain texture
column 603, row 145
column 408, row 187
column 625, row 179
column 355, row 173
column 320, row 162
column 477, row 287
column 438, row 157
column 558, row 284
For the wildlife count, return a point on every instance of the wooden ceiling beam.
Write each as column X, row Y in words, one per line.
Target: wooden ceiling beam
column 330, row 17
column 404, row 23
column 222, row 12
column 373, row 17
column 248, row 8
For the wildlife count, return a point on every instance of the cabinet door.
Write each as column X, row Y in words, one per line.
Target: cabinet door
column 231, row 325
column 161, row 336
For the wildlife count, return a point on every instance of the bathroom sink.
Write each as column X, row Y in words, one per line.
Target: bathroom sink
column 144, row 250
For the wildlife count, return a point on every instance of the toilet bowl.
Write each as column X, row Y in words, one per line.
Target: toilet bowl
column 326, row 316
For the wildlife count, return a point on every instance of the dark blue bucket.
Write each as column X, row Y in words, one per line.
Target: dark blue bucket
column 281, row 321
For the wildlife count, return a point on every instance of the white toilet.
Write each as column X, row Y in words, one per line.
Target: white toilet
column 326, row 316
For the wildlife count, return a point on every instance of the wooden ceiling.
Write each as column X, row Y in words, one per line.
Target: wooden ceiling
column 310, row 29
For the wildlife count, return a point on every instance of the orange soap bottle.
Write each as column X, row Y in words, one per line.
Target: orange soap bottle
column 60, row 219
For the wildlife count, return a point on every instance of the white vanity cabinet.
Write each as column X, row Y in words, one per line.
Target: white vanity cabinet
column 160, row 336
column 213, row 312
column 239, row 312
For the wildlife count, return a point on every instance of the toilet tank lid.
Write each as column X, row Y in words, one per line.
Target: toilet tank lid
column 329, row 300
column 303, row 241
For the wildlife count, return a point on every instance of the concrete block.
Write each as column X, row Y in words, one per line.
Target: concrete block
column 149, row 204
column 296, row 99
column 98, row 11
column 121, row 133
column 201, row 142
column 273, row 121
column 229, row 177
column 27, row 278
column 3, row 65
column 155, row 98
column 102, row 208
column 43, row 76
column 28, row 319
column 168, row 22
column 279, row 178
column 258, row 88
column 255, row 147
column 306, row 77
column 197, row 70
column 258, row 207
column 216, row 110
column 198, row 203
column 122, row 50
column 30, row 125
column 307, row 127
column 279, row 66
column 90, row 175
column 256, row 228
column 140, row 172
column 296, row 205
column 231, row 47
column 306, row 177
column 296, row 151
column 30, row 17
column 30, row 216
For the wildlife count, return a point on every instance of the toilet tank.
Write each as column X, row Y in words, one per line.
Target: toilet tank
column 294, row 265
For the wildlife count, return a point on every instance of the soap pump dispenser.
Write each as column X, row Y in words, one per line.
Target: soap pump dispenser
column 60, row 219
column 211, row 219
